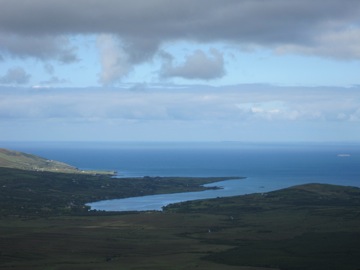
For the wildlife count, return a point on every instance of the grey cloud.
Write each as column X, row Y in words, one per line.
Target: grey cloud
column 15, row 76
column 274, row 20
column 336, row 44
column 37, row 28
column 42, row 47
column 140, row 49
column 49, row 68
column 196, row 66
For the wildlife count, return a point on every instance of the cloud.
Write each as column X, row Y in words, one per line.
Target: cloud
column 36, row 28
column 15, row 75
column 237, row 112
column 198, row 65
column 49, row 68
column 114, row 61
column 42, row 47
column 233, row 104
column 54, row 80
column 342, row 44
column 140, row 49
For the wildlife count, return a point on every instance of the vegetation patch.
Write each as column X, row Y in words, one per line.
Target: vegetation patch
column 304, row 227
column 314, row 250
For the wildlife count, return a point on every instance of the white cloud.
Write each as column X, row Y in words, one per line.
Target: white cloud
column 189, row 103
column 114, row 61
column 351, row 116
column 355, row 116
column 268, row 110
column 239, row 112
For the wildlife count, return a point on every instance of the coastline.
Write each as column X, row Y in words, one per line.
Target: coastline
column 156, row 202
column 44, row 193
column 268, row 167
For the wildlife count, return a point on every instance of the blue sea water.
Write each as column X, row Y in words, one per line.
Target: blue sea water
column 266, row 166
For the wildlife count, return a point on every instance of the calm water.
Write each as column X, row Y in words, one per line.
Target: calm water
column 266, row 166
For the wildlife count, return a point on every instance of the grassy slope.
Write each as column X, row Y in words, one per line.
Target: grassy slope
column 24, row 161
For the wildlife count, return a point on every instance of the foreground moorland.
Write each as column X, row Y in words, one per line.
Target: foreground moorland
column 45, row 225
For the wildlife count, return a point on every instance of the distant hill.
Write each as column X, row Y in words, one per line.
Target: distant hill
column 24, row 161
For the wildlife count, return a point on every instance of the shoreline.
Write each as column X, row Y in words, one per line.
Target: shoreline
column 156, row 202
column 145, row 203
column 44, row 193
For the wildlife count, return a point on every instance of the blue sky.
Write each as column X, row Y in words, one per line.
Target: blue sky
column 201, row 70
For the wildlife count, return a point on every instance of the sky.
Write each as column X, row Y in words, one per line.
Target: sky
column 160, row 70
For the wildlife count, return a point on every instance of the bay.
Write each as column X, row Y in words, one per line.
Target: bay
column 266, row 166
column 156, row 202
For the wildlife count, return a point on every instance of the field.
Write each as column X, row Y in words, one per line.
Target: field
column 304, row 227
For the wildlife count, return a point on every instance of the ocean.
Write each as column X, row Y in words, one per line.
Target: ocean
column 266, row 166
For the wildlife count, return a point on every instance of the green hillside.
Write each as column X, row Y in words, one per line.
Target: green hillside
column 23, row 161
